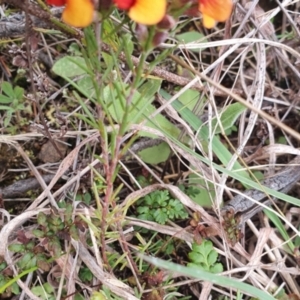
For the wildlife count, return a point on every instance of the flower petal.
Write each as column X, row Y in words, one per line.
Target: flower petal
column 78, row 13
column 56, row 2
column 148, row 12
column 208, row 22
column 219, row 10
column 124, row 4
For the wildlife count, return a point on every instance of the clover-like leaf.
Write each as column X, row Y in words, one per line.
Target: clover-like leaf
column 204, row 256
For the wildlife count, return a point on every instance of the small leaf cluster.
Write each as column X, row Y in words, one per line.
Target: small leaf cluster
column 191, row 191
column 204, row 256
column 32, row 256
column 104, row 293
column 160, row 207
column 85, row 274
column 5, row 277
column 45, row 291
column 11, row 101
column 53, row 228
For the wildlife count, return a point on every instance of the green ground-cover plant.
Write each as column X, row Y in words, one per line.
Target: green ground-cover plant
column 160, row 207
column 45, row 291
column 204, row 256
column 13, row 287
column 12, row 104
column 107, row 78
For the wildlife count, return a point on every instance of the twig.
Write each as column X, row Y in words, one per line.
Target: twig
column 35, row 10
column 19, row 188
column 15, row 25
column 246, row 204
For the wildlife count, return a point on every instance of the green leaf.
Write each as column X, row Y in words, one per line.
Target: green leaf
column 128, row 49
column 160, row 216
column 212, row 257
column 86, row 84
column 25, row 260
column 190, row 99
column 70, row 66
column 3, row 265
column 278, row 223
column 217, row 268
column 149, row 199
column 74, row 232
column 5, row 100
column 45, row 291
column 219, row 149
column 87, row 198
column 79, row 297
column 203, row 255
column 177, row 210
column 41, row 219
column 85, row 274
column 190, row 36
column 6, row 284
column 19, row 93
column 297, row 239
column 228, row 117
column 55, row 246
column 195, row 258
column 206, row 190
column 143, row 210
column 98, row 296
column 8, row 108
column 207, row 276
column 8, row 89
column 162, row 197
column 30, row 245
column 156, row 154
column 15, row 288
column 8, row 118
column 196, row 265
column 16, row 248
column 141, row 107
column 146, row 216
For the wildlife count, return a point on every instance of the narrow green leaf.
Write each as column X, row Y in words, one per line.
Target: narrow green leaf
column 207, row 276
column 190, row 98
column 219, row 149
column 228, row 117
column 278, row 223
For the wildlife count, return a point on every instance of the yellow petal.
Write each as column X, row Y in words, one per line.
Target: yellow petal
column 219, row 10
column 148, row 12
column 78, row 13
column 208, row 22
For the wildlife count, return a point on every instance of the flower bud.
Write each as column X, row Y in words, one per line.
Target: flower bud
column 167, row 22
column 159, row 38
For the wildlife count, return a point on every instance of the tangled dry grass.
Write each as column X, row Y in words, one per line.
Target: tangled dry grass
column 70, row 172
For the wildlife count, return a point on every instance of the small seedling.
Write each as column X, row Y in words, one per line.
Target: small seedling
column 11, row 101
column 158, row 206
column 204, row 256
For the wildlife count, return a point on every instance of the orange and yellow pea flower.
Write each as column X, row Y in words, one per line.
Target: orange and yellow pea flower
column 146, row 12
column 77, row 13
column 214, row 11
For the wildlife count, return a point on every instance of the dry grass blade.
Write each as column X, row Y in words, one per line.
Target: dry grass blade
column 171, row 152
